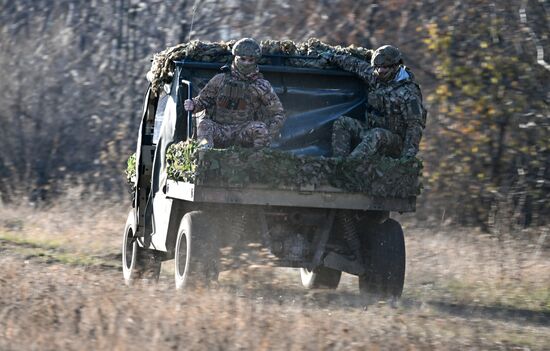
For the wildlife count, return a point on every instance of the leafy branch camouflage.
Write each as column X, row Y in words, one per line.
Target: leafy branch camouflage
column 163, row 62
column 238, row 167
column 182, row 161
column 131, row 169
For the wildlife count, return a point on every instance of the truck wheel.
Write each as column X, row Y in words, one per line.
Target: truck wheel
column 320, row 278
column 384, row 257
column 196, row 253
column 137, row 262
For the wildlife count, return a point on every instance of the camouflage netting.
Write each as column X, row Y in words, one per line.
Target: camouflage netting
column 237, row 167
column 308, row 55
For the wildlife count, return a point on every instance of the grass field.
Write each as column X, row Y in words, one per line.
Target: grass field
column 61, row 288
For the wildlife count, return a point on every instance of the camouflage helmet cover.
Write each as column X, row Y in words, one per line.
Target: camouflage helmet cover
column 247, row 47
column 386, row 55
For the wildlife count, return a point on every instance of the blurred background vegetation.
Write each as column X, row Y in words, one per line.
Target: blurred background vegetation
column 73, row 79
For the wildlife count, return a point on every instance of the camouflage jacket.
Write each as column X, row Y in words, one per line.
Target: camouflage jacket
column 230, row 99
column 395, row 106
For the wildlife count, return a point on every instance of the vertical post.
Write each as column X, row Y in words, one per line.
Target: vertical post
column 189, row 113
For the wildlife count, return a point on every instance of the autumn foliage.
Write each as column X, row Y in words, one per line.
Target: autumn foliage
column 73, row 77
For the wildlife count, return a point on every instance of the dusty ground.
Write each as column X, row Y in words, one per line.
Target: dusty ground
column 61, row 289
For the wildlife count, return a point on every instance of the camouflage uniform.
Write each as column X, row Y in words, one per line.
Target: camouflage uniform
column 394, row 119
column 241, row 109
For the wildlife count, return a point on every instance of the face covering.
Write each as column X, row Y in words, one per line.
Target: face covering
column 245, row 68
column 387, row 74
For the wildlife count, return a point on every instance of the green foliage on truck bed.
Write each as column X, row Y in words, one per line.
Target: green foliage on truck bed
column 238, row 167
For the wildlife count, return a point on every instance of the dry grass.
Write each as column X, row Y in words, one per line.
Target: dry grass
column 464, row 290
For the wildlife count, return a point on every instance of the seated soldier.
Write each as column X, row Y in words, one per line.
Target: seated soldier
column 395, row 116
column 241, row 107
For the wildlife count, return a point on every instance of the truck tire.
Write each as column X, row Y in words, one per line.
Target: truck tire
column 196, row 252
column 137, row 262
column 384, row 257
column 320, row 278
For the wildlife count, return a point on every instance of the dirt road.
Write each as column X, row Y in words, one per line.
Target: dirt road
column 463, row 290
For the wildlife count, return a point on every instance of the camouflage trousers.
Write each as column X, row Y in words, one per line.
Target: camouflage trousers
column 247, row 134
column 352, row 137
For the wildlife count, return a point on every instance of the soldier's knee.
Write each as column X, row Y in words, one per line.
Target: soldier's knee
column 257, row 128
column 342, row 122
column 338, row 123
column 373, row 138
column 377, row 132
column 206, row 124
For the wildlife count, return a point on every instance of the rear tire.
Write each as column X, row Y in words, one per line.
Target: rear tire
column 137, row 262
column 196, row 252
column 320, row 278
column 384, row 257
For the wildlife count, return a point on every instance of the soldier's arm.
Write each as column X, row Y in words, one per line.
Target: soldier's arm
column 208, row 94
column 415, row 120
column 272, row 110
column 354, row 65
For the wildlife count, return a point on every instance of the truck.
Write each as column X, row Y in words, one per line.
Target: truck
column 321, row 229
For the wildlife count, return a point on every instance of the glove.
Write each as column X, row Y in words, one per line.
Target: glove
column 408, row 153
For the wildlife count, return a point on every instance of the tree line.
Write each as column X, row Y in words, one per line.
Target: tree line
column 74, row 78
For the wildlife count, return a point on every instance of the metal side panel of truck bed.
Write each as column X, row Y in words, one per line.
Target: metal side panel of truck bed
column 258, row 194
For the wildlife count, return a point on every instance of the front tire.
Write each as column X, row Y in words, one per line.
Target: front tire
column 196, row 252
column 137, row 262
column 320, row 278
column 384, row 257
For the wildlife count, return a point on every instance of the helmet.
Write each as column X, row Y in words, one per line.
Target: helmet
column 386, row 55
column 247, row 47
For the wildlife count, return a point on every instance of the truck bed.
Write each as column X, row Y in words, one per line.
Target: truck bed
column 259, row 194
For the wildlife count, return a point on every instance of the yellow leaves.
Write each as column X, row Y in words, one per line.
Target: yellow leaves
column 436, row 41
column 433, row 29
column 471, row 89
column 474, row 149
column 467, row 129
column 483, row 45
column 458, row 110
column 488, row 65
column 443, row 91
column 434, row 177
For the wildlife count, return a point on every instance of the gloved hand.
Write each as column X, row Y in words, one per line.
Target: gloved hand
column 408, row 153
column 188, row 105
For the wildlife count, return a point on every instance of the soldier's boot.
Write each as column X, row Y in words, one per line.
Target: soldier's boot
column 205, row 134
column 341, row 140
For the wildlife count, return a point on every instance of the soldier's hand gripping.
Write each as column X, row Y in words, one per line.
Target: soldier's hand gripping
column 188, row 105
column 408, row 153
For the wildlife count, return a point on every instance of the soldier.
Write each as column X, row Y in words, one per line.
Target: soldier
column 395, row 116
column 241, row 107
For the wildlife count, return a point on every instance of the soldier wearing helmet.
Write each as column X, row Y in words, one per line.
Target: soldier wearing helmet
column 394, row 117
column 240, row 106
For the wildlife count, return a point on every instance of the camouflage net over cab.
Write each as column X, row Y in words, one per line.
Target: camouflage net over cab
column 163, row 62
column 238, row 167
